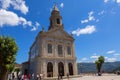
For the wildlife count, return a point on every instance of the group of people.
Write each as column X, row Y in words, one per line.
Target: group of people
column 27, row 77
column 60, row 76
column 32, row 77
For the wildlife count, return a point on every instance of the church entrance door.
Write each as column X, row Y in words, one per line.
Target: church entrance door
column 70, row 68
column 49, row 69
column 61, row 69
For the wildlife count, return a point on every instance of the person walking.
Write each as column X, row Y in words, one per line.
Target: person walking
column 33, row 76
column 37, row 77
column 22, row 77
column 68, row 76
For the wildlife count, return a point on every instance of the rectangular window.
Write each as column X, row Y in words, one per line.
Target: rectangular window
column 68, row 50
column 49, row 48
column 60, row 49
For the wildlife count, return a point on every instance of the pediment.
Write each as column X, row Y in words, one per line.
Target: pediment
column 60, row 33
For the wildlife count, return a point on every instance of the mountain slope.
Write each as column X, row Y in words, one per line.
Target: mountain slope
column 91, row 67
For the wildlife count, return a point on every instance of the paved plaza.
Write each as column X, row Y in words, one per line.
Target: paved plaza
column 104, row 77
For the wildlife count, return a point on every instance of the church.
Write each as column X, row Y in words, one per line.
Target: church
column 52, row 52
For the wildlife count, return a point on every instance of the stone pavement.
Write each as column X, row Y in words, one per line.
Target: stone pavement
column 90, row 77
column 104, row 77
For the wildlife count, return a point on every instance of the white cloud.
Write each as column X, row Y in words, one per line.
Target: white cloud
column 62, row 5
column 12, row 19
column 116, row 54
column 106, row 1
column 34, row 28
column 85, row 21
column 20, row 5
column 9, row 18
column 111, row 52
column 111, row 59
column 108, row 59
column 24, row 22
column 102, row 12
column 118, row 1
column 16, row 4
column 90, row 17
column 37, row 24
column 87, row 30
column 5, row 3
column 84, row 59
column 94, row 57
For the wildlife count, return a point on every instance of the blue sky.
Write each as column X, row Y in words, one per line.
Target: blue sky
column 94, row 23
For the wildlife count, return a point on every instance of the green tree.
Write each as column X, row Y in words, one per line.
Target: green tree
column 8, row 50
column 99, row 63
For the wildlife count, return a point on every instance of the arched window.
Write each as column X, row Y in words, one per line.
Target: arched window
column 58, row 21
column 69, row 50
column 49, row 48
column 60, row 50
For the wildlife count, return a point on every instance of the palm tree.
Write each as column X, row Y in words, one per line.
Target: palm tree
column 99, row 63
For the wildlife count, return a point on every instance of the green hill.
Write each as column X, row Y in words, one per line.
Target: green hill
column 91, row 67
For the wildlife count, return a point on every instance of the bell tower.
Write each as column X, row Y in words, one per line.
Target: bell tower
column 55, row 19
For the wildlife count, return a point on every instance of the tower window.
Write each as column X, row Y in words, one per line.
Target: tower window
column 49, row 48
column 58, row 21
column 60, row 49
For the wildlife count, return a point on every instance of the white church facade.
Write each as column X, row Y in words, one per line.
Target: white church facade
column 52, row 52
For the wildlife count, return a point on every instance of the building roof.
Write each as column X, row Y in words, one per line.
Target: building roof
column 27, row 62
column 18, row 65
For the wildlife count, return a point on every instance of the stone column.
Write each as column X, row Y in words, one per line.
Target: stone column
column 44, row 68
column 66, row 68
column 73, row 50
column 42, row 48
column 64, row 50
column 55, row 72
column 55, row 49
column 38, row 67
column 75, row 70
column 45, row 49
